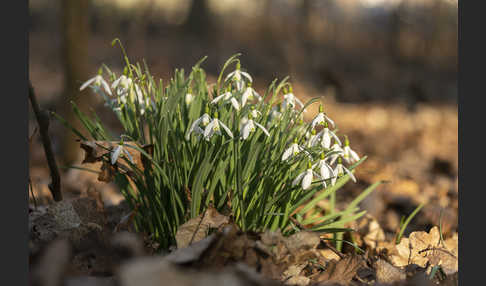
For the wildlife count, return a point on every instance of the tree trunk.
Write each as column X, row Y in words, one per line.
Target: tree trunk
column 199, row 22
column 75, row 36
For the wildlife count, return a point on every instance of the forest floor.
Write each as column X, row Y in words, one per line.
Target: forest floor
column 83, row 240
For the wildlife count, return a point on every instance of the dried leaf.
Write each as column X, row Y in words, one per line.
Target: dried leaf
column 197, row 228
column 387, row 273
column 303, row 240
column 342, row 271
column 422, row 248
column 191, row 253
column 96, row 150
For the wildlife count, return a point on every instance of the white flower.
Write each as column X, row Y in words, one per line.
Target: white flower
column 255, row 113
column 188, row 98
column 203, row 121
column 122, row 85
column 250, row 127
column 321, row 118
column 293, row 150
column 227, row 96
column 275, row 113
column 143, row 102
column 305, row 177
column 199, row 132
column 249, row 94
column 339, row 171
column 290, row 99
column 337, row 150
column 97, row 81
column 237, row 76
column 312, row 139
column 214, row 128
column 325, row 170
column 118, row 151
column 325, row 136
column 349, row 155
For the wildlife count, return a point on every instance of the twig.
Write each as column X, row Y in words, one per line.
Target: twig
column 198, row 225
column 31, row 188
column 334, row 250
column 43, row 121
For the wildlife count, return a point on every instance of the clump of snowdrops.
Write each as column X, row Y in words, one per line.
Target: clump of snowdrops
column 225, row 145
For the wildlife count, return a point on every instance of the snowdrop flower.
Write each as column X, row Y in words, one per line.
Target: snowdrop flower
column 122, row 85
column 237, row 76
column 97, row 82
column 305, row 177
column 325, row 171
column 292, row 151
column 249, row 94
column 349, row 155
column 142, row 101
column 339, row 171
column 203, row 121
column 312, row 139
column 325, row 135
column 255, row 113
column 227, row 96
column 290, row 99
column 189, row 97
column 275, row 113
column 199, row 132
column 250, row 127
column 337, row 150
column 320, row 118
column 214, row 128
column 119, row 150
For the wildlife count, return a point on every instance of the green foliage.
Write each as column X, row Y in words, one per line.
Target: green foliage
column 193, row 166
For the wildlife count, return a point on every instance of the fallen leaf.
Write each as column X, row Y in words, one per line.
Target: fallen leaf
column 95, row 151
column 342, row 271
column 197, row 228
column 422, row 248
column 191, row 253
column 303, row 240
column 371, row 231
column 387, row 273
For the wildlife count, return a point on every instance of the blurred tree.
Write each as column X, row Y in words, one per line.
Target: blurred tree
column 74, row 29
column 198, row 21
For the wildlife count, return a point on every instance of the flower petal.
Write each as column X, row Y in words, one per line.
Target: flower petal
column 245, row 131
column 106, row 87
column 326, row 139
column 87, row 83
column 298, row 178
column 230, row 75
column 262, row 128
column 245, row 96
column 307, row 180
column 288, row 152
column 217, row 98
column 247, row 75
column 225, row 128
column 299, row 102
column 336, row 138
column 128, row 155
column 354, row 155
column 350, row 174
column 116, row 154
column 329, row 120
column 208, row 130
column 235, row 103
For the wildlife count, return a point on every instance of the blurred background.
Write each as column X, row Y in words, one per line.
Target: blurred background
column 385, row 69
